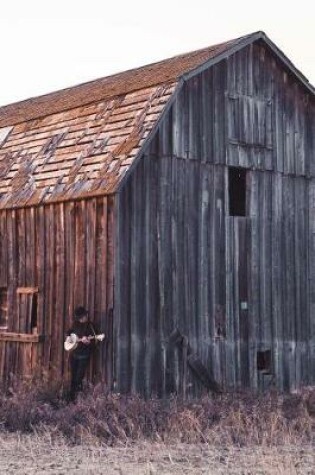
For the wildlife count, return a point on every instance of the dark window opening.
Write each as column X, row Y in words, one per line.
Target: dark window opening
column 27, row 309
column 34, row 314
column 237, row 191
column 264, row 361
column 3, row 308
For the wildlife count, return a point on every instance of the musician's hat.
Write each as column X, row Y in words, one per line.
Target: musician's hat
column 80, row 312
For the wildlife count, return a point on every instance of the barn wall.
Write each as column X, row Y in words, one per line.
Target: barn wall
column 184, row 263
column 65, row 250
column 237, row 287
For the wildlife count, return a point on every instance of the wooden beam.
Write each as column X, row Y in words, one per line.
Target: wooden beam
column 27, row 290
column 21, row 337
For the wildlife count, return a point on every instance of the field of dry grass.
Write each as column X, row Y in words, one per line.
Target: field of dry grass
column 31, row 454
column 239, row 433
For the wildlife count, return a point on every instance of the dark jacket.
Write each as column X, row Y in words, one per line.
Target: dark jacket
column 83, row 329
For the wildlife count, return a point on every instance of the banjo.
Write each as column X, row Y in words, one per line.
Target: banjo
column 73, row 340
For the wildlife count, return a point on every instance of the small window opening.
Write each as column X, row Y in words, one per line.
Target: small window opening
column 3, row 308
column 264, row 361
column 237, row 191
column 27, row 309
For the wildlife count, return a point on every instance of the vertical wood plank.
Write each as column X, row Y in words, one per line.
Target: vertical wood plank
column 59, row 313
column 110, row 249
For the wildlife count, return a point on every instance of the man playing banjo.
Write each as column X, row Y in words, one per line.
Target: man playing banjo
column 80, row 341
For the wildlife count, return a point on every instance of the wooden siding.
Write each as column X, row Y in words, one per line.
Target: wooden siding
column 64, row 251
column 237, row 287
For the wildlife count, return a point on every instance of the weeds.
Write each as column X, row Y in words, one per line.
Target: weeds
column 240, row 419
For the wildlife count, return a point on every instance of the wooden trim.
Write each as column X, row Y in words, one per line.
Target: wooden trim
column 21, row 337
column 146, row 144
column 27, row 290
column 242, row 43
column 88, row 195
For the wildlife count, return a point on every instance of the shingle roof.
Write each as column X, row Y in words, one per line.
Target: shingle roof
column 80, row 141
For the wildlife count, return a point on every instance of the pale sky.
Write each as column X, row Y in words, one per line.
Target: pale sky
column 49, row 45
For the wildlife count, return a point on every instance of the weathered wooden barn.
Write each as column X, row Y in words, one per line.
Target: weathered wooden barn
column 173, row 199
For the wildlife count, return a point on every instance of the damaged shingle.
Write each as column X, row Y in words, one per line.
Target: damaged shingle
column 4, row 134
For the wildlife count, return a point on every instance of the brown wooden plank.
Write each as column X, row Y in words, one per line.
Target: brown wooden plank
column 22, row 337
column 91, row 207
column 71, row 239
column 2, row 358
column 12, row 270
column 59, row 330
column 27, row 290
column 80, row 254
column 30, row 260
column 21, row 233
column 40, row 266
column 3, row 249
column 49, row 284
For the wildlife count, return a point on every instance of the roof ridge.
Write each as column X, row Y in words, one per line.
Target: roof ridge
column 160, row 72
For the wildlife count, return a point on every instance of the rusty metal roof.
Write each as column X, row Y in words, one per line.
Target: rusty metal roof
column 80, row 141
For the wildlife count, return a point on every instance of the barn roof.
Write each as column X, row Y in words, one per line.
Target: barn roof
column 81, row 141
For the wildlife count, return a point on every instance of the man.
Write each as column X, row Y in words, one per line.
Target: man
column 80, row 356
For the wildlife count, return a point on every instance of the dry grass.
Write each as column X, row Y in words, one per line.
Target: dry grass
column 32, row 454
column 231, row 433
column 239, row 419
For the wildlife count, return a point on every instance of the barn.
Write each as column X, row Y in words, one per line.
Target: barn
column 176, row 202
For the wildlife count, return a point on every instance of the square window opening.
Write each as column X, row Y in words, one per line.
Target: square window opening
column 237, row 191
column 28, row 309
column 264, row 361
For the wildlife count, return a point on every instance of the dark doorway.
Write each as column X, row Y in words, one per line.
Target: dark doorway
column 264, row 361
column 237, row 191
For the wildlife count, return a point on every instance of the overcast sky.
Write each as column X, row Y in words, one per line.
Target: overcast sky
column 48, row 45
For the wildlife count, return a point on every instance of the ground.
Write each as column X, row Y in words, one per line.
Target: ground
column 32, row 454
